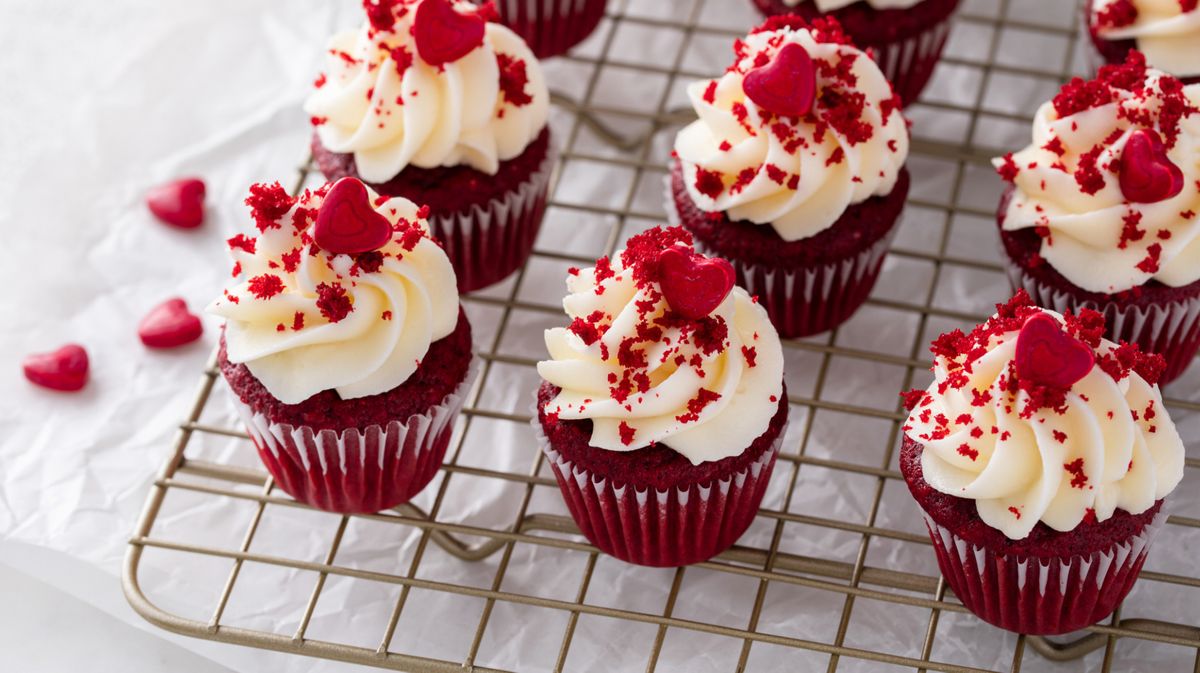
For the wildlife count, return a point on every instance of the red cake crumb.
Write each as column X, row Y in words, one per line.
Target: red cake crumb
column 242, row 242
column 332, row 302
column 627, row 433
column 513, row 80
column 1008, row 170
column 265, row 286
column 268, row 204
column 1119, row 14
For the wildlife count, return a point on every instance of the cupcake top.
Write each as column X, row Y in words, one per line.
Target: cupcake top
column 800, row 127
column 1112, row 180
column 1035, row 417
column 342, row 289
column 1167, row 31
column 428, row 83
column 663, row 348
column 831, row 5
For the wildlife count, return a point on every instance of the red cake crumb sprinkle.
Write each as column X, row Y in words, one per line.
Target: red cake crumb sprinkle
column 403, row 59
column 268, row 204
column 242, row 242
column 1150, row 263
column 697, row 404
column 1079, row 478
column 1087, row 174
column 332, row 302
column 381, row 13
column 317, row 121
column 291, row 260
column 298, row 321
column 265, row 286
column 709, row 183
column 1059, row 436
column 710, row 92
column 627, row 433
column 513, row 80
column 319, row 81
column 750, row 353
column 368, row 262
column 1008, row 170
column 1130, row 232
column 1055, row 145
column 1015, row 512
column 966, row 450
column 1118, row 14
column 777, row 174
column 588, row 329
column 915, row 397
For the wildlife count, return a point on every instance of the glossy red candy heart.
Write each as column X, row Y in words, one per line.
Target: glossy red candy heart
column 1147, row 174
column 179, row 203
column 63, row 369
column 442, row 34
column 694, row 285
column 787, row 85
column 170, row 324
column 1049, row 356
column 347, row 221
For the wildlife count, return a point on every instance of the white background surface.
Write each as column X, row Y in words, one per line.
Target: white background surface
column 98, row 101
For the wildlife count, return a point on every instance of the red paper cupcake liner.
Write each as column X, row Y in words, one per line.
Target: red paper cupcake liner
column 356, row 470
column 551, row 27
column 1171, row 329
column 668, row 528
column 489, row 242
column 909, row 63
column 1040, row 596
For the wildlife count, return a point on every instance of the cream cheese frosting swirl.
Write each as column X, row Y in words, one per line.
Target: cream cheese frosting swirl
column 304, row 320
column 1166, row 32
column 379, row 100
column 1066, row 184
column 706, row 387
column 989, row 438
column 797, row 174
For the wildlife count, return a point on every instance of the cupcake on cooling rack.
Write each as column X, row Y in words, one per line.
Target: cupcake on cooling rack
column 1040, row 456
column 551, row 28
column 663, row 402
column 1166, row 31
column 431, row 102
column 344, row 344
column 905, row 36
column 794, row 171
column 1103, row 210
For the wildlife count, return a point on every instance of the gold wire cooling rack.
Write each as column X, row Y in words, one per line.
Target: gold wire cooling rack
column 948, row 159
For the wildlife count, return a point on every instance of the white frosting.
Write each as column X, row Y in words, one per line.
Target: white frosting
column 825, row 188
column 431, row 116
column 1085, row 229
column 364, row 353
column 726, row 426
column 1168, row 36
column 830, row 5
column 1018, row 471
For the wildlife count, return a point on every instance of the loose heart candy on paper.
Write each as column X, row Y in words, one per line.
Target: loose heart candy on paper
column 170, row 324
column 1147, row 174
column 1049, row 356
column 179, row 203
column 694, row 285
column 787, row 85
column 442, row 34
column 63, row 369
column 347, row 221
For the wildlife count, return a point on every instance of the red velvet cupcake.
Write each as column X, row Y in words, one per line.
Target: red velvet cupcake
column 344, row 345
column 794, row 171
column 663, row 402
column 906, row 37
column 1166, row 31
column 1103, row 208
column 554, row 27
column 1040, row 456
column 431, row 102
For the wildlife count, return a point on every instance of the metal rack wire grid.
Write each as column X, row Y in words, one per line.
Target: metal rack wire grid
column 809, row 587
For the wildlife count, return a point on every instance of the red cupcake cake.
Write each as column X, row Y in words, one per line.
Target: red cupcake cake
column 551, row 27
column 794, row 171
column 906, row 37
column 1166, row 31
column 663, row 402
column 1103, row 210
column 344, row 344
column 1040, row 456
column 431, row 102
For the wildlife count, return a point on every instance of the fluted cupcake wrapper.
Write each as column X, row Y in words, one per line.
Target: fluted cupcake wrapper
column 551, row 27
column 1170, row 329
column 356, row 470
column 490, row 241
column 909, row 63
column 1040, row 596
column 669, row 528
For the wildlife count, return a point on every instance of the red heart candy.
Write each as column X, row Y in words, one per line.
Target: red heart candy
column 348, row 222
column 63, row 369
column 694, row 285
column 1049, row 356
column 1147, row 175
column 442, row 34
column 169, row 324
column 179, row 203
column 787, row 85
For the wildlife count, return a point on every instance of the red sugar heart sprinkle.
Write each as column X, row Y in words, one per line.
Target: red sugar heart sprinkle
column 64, row 369
column 169, row 324
column 694, row 285
column 347, row 222
column 787, row 85
column 179, row 203
column 442, row 34
column 1147, row 174
column 1048, row 356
